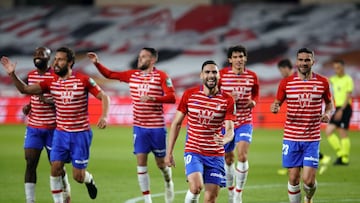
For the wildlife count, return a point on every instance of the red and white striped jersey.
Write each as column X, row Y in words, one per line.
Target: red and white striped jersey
column 304, row 100
column 71, row 100
column 155, row 84
column 206, row 116
column 41, row 115
column 242, row 87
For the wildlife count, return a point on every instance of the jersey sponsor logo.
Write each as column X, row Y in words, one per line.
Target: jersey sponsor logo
column 304, row 100
column 205, row 116
column 310, row 158
column 218, row 175
column 143, row 89
column 169, row 82
column 238, row 92
column 81, row 161
column 67, row 96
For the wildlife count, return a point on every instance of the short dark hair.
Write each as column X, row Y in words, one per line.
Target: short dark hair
column 285, row 63
column 306, row 50
column 70, row 54
column 153, row 51
column 342, row 62
column 207, row 63
column 237, row 48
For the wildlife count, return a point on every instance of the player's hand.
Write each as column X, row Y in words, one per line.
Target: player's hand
column 102, row 123
column 275, row 107
column 146, row 98
column 26, row 109
column 93, row 57
column 250, row 104
column 8, row 65
column 219, row 139
column 325, row 118
column 169, row 160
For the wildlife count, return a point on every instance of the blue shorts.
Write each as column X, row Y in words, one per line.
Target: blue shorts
column 148, row 140
column 212, row 167
column 72, row 146
column 38, row 138
column 242, row 133
column 299, row 154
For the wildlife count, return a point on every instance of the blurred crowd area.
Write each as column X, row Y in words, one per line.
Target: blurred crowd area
column 185, row 35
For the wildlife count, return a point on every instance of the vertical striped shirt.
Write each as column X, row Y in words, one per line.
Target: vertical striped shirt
column 71, row 100
column 206, row 116
column 41, row 115
column 242, row 87
column 304, row 100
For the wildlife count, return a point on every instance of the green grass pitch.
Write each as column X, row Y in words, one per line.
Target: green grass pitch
column 114, row 168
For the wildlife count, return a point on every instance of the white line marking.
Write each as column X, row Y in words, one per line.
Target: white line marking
column 140, row 199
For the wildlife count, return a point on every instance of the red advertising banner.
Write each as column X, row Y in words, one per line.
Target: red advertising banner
column 121, row 112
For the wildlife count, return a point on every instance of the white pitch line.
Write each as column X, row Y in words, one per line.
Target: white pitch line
column 140, row 199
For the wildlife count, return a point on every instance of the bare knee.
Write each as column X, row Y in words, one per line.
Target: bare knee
column 229, row 158
column 78, row 175
column 196, row 189
column 57, row 168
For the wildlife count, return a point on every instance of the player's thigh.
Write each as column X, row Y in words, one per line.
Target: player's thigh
column 158, row 142
column 292, row 155
column 214, row 171
column 35, row 138
column 243, row 133
column 80, row 152
column 311, row 154
column 142, row 140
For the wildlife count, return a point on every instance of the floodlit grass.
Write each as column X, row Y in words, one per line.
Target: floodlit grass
column 114, row 167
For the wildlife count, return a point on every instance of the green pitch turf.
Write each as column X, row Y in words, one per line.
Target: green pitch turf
column 114, row 168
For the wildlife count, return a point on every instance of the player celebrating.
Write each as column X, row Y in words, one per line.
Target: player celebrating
column 207, row 109
column 41, row 124
column 243, row 85
column 304, row 93
column 149, row 89
column 72, row 136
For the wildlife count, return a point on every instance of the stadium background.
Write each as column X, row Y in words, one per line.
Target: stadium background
column 186, row 33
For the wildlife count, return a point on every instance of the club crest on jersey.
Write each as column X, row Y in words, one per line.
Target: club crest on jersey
column 205, row 116
column 304, row 100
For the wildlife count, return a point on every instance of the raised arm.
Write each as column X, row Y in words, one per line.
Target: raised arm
column 118, row 75
column 9, row 67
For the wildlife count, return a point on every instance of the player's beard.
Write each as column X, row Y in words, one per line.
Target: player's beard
column 61, row 71
column 144, row 66
column 212, row 85
column 305, row 71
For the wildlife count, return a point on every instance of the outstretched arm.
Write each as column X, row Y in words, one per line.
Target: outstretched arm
column 9, row 67
column 122, row 76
